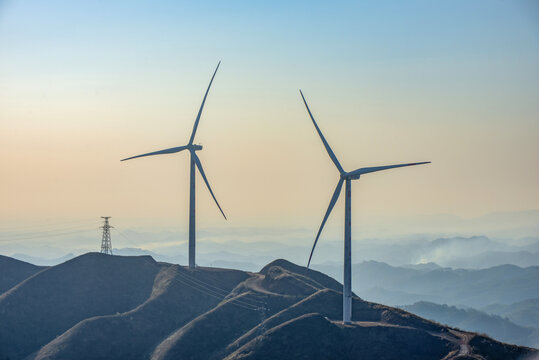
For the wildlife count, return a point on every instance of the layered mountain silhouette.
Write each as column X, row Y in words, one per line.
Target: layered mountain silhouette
column 394, row 285
column 496, row 326
column 97, row 306
column 524, row 312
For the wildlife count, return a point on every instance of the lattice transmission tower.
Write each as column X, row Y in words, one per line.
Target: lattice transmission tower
column 106, row 245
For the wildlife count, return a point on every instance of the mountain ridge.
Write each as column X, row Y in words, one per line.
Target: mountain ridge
column 164, row 311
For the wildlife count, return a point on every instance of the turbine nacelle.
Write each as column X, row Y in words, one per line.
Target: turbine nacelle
column 349, row 176
column 195, row 147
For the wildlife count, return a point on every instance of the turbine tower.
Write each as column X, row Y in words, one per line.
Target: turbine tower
column 345, row 177
column 106, row 244
column 195, row 162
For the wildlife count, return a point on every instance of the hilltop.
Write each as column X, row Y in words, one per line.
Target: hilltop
column 97, row 306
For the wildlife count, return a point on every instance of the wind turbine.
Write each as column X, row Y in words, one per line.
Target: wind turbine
column 348, row 177
column 195, row 162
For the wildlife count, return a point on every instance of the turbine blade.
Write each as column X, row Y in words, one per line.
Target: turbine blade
column 202, row 106
column 328, row 148
column 367, row 170
column 199, row 166
column 334, row 199
column 166, row 151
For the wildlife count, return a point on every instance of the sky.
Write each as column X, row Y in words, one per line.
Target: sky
column 84, row 84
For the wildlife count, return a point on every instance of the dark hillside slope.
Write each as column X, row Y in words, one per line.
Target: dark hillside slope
column 313, row 337
column 205, row 337
column 13, row 271
column 171, row 305
column 109, row 307
column 495, row 350
column 328, row 303
column 250, row 303
column 49, row 303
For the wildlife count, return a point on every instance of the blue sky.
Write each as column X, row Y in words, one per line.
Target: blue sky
column 84, row 84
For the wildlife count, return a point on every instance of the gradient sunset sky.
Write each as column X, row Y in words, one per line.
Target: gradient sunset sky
column 84, row 84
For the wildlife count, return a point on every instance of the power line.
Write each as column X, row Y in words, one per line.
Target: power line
column 233, row 301
column 242, row 301
column 46, row 225
column 44, row 235
column 217, row 289
column 43, row 232
column 210, row 287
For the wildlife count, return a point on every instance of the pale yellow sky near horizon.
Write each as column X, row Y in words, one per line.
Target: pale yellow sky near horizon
column 266, row 163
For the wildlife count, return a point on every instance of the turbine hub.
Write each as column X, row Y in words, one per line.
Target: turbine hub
column 347, row 176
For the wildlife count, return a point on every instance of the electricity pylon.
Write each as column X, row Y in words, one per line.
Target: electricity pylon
column 106, row 245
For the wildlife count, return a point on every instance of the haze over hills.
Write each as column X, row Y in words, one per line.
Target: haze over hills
column 525, row 312
column 503, row 284
column 98, row 306
column 475, row 252
column 449, row 241
column 500, row 328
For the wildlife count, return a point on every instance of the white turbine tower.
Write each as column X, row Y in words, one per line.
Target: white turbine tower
column 195, row 162
column 348, row 177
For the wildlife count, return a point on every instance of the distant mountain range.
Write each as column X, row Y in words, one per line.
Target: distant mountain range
column 496, row 326
column 43, row 261
column 97, row 306
column 475, row 252
column 449, row 241
column 525, row 313
column 380, row 282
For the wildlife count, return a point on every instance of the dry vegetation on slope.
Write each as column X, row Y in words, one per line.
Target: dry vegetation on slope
column 99, row 307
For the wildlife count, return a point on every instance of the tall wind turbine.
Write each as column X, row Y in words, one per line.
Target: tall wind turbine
column 348, row 177
column 195, row 162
